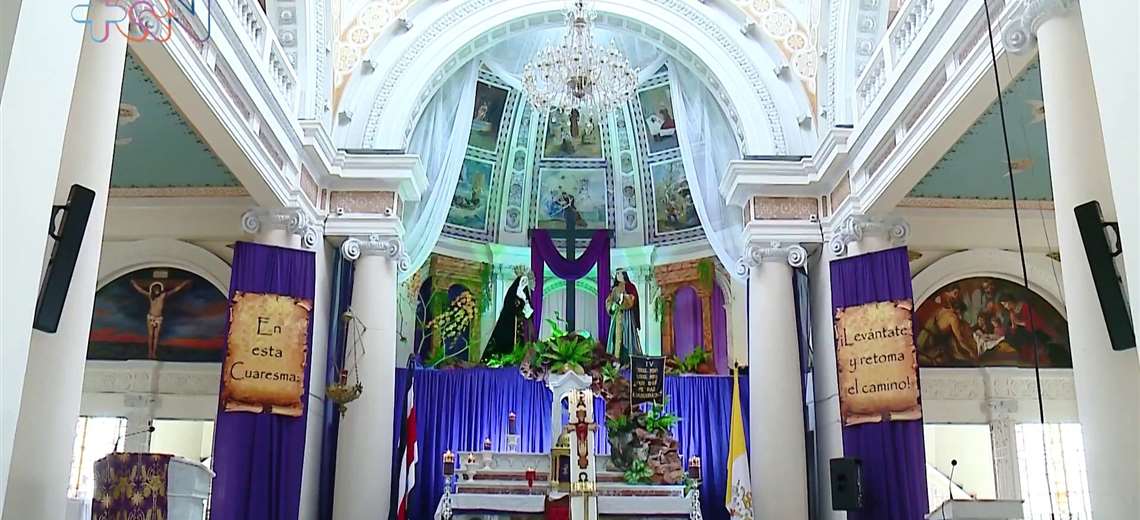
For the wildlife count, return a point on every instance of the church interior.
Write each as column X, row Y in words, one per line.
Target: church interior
column 570, row 259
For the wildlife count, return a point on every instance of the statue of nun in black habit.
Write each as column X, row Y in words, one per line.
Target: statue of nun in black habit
column 514, row 325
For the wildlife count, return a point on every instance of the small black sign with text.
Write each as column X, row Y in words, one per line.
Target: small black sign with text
column 647, row 381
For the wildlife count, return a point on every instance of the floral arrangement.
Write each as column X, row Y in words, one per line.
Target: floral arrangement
column 641, row 441
column 457, row 319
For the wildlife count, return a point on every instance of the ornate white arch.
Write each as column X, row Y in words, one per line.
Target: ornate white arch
column 683, row 31
column 994, row 263
column 119, row 258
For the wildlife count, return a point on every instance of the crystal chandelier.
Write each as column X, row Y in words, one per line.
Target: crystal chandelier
column 577, row 74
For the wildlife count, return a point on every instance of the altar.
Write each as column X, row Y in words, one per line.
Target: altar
column 498, row 485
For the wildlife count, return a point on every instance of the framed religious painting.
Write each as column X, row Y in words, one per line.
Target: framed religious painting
column 658, row 117
column 573, row 136
column 584, row 190
column 471, row 202
column 988, row 321
column 487, row 119
column 672, row 198
column 163, row 314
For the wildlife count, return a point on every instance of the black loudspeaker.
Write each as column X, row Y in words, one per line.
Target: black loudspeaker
column 68, row 236
column 1107, row 280
column 846, row 484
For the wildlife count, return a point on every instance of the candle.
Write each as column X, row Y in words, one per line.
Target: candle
column 695, row 467
column 512, row 426
column 448, row 463
column 487, row 444
column 530, row 474
column 344, row 377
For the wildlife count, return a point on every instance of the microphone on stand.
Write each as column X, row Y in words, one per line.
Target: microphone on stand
column 119, row 439
column 950, row 485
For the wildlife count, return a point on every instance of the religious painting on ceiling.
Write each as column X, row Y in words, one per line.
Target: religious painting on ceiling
column 984, row 321
column 581, row 189
column 572, row 136
column 162, row 314
column 671, row 195
column 470, row 204
column 657, row 109
column 486, row 121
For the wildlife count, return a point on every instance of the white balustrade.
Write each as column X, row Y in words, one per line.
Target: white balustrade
column 262, row 44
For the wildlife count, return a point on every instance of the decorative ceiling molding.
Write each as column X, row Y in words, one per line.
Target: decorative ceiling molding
column 727, row 69
column 931, row 202
column 224, row 191
column 777, row 23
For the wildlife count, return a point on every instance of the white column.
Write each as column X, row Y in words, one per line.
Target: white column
column 1110, row 30
column 1107, row 382
column 38, row 69
column 49, row 406
column 1003, row 438
column 282, row 227
column 646, row 281
column 777, row 457
column 364, row 450
column 829, row 430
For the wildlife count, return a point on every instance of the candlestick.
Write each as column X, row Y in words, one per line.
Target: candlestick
column 512, row 427
column 695, row 467
column 487, row 444
column 530, row 474
column 448, row 463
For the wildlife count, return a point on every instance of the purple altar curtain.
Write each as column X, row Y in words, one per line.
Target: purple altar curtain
column 894, row 460
column 688, row 324
column 258, row 457
column 334, row 361
column 449, row 422
column 131, row 485
column 543, row 253
column 720, row 331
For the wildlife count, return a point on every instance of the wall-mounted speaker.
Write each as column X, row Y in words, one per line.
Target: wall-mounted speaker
column 1102, row 244
column 68, row 236
column 846, row 484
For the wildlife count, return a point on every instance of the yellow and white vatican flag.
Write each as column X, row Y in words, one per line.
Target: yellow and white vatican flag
column 738, row 496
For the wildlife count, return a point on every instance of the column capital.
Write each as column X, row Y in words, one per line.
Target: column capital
column 391, row 246
column 1021, row 33
column 856, row 227
column 292, row 220
column 756, row 254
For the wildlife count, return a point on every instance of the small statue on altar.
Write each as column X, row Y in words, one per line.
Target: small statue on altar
column 625, row 318
column 514, row 325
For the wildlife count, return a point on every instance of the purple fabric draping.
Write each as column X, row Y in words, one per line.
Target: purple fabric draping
column 894, row 460
column 688, row 324
column 720, row 331
column 334, row 361
column 446, row 422
column 131, row 485
column 543, row 253
column 258, row 457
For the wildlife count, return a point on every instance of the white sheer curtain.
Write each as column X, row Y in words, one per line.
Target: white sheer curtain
column 440, row 139
column 585, row 310
column 707, row 145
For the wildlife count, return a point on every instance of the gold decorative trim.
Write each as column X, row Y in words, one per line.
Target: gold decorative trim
column 172, row 192
column 940, row 203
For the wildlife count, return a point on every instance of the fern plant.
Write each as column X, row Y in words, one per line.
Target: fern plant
column 567, row 354
column 513, row 358
column 690, row 363
column 658, row 421
column 638, row 473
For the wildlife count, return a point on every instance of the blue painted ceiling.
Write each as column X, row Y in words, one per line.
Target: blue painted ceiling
column 975, row 167
column 154, row 146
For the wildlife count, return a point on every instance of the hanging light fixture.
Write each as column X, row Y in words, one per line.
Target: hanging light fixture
column 577, row 74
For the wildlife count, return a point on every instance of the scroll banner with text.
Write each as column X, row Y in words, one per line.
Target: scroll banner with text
column 266, row 353
column 870, row 296
column 877, row 363
column 259, row 456
column 647, row 379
